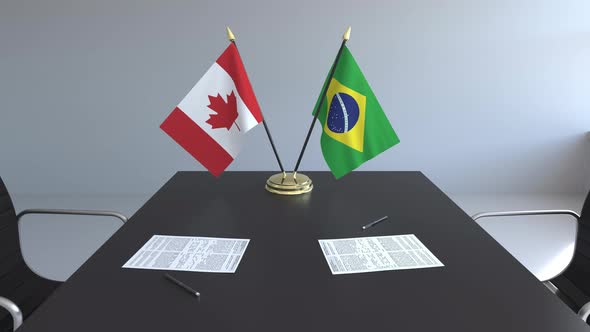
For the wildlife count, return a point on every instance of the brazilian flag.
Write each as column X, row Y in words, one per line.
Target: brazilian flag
column 355, row 129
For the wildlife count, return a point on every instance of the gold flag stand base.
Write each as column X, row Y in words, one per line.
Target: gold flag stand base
column 289, row 184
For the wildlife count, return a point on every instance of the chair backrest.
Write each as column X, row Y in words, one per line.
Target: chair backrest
column 585, row 214
column 574, row 283
column 17, row 282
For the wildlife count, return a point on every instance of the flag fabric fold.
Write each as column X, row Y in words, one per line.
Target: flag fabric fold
column 211, row 121
column 354, row 127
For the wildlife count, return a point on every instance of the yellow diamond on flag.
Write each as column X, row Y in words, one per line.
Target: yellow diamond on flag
column 345, row 115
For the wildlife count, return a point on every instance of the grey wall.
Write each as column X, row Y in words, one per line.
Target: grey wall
column 486, row 96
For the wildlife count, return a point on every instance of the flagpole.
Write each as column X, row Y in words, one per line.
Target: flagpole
column 232, row 39
column 345, row 38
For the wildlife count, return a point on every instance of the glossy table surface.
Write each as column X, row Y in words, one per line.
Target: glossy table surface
column 283, row 282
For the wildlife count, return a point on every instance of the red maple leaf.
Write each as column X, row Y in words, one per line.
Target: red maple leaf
column 226, row 112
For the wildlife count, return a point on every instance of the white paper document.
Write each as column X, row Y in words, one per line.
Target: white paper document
column 377, row 253
column 188, row 253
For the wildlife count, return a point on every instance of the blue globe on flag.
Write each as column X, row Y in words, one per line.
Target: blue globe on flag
column 343, row 113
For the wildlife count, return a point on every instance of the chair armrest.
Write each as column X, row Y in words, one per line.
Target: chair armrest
column 14, row 310
column 73, row 212
column 584, row 311
column 524, row 213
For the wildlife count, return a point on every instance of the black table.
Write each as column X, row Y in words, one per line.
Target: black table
column 283, row 282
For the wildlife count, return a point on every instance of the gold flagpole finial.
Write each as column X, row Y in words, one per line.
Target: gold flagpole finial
column 230, row 35
column 346, row 35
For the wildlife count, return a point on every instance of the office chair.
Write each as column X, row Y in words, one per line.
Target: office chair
column 21, row 290
column 572, row 283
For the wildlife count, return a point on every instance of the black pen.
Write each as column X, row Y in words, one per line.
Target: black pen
column 182, row 285
column 371, row 224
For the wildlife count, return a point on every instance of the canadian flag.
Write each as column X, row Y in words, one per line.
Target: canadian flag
column 211, row 121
